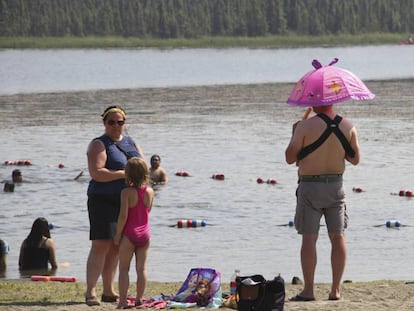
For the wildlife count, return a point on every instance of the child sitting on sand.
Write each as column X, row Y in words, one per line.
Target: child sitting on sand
column 133, row 230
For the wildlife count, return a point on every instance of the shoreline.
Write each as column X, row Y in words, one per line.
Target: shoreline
column 241, row 87
column 20, row 295
column 285, row 41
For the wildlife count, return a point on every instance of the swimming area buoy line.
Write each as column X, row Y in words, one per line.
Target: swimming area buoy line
column 190, row 223
column 388, row 224
column 270, row 181
column 289, row 224
column 195, row 223
column 403, row 193
column 18, row 162
column 392, row 223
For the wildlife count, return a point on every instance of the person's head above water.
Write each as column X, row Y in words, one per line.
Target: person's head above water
column 17, row 176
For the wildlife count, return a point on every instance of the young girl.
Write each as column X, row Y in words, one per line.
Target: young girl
column 133, row 231
column 38, row 249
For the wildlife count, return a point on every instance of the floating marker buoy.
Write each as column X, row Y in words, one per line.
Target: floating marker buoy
column 218, row 176
column 289, row 224
column 191, row 223
column 184, row 174
column 269, row 181
column 61, row 165
column 45, row 278
column 393, row 224
column 357, row 189
column 405, row 193
column 51, row 226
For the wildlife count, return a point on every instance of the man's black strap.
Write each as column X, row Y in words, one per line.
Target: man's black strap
column 332, row 127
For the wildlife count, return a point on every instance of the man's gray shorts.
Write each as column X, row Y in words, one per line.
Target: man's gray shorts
column 319, row 195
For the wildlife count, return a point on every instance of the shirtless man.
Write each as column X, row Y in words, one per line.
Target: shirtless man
column 320, row 191
column 157, row 173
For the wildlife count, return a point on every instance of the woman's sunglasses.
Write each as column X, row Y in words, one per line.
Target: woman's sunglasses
column 113, row 122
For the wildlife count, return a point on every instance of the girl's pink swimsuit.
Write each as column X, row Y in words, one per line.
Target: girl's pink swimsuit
column 137, row 228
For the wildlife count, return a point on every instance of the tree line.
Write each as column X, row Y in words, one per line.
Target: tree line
column 197, row 18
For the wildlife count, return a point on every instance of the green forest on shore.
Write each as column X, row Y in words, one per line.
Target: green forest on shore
column 203, row 23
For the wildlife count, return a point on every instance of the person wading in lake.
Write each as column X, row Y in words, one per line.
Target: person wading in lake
column 107, row 157
column 157, row 173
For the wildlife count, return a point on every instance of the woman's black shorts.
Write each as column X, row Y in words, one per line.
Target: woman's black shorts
column 103, row 213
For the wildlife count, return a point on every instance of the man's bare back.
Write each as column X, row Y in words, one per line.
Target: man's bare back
column 330, row 157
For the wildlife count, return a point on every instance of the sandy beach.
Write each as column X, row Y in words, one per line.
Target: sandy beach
column 366, row 296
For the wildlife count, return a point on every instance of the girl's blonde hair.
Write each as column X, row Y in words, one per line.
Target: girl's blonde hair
column 136, row 172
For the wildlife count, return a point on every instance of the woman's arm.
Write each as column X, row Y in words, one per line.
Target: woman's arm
column 96, row 164
column 140, row 151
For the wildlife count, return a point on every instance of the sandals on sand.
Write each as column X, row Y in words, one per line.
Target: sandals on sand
column 92, row 301
column 130, row 305
column 301, row 298
column 105, row 298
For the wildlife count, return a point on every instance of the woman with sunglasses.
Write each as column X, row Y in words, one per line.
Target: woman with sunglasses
column 107, row 157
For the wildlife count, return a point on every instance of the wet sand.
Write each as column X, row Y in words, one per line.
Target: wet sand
column 393, row 98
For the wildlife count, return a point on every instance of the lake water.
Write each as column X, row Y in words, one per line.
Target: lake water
column 240, row 131
column 67, row 70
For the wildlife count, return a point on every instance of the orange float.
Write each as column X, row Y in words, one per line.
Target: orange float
column 46, row 278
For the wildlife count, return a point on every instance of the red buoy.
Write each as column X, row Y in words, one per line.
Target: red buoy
column 218, row 176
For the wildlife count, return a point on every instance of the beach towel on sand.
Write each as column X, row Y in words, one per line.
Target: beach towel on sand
column 203, row 287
